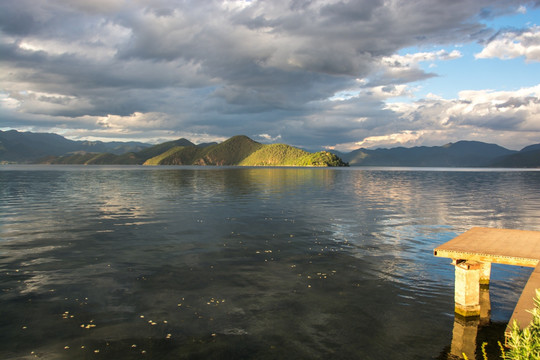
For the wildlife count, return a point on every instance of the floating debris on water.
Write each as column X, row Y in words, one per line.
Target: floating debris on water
column 235, row 331
column 215, row 302
column 66, row 315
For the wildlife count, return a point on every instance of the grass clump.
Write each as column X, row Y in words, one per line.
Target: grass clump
column 522, row 344
column 525, row 344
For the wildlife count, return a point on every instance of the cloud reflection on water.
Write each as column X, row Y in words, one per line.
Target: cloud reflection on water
column 312, row 259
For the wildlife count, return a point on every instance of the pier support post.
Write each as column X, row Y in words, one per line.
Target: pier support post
column 485, row 274
column 467, row 288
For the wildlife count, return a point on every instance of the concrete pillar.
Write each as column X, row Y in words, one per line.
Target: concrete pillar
column 467, row 288
column 485, row 274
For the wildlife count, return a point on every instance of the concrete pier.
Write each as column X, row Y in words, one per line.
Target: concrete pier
column 467, row 289
column 472, row 254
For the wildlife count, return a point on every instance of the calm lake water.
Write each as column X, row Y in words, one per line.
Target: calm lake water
column 244, row 263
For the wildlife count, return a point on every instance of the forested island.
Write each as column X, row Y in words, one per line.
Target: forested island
column 239, row 151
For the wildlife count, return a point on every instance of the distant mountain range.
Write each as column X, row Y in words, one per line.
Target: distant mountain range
column 27, row 147
column 459, row 154
column 24, row 147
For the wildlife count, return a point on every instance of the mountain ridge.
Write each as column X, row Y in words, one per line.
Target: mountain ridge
column 463, row 153
column 27, row 147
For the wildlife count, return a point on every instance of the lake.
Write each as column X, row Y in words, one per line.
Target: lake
column 121, row 262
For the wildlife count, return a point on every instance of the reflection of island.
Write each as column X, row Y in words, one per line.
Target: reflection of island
column 271, row 182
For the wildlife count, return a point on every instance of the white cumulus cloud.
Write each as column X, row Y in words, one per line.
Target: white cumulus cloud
column 318, row 72
column 510, row 45
column 483, row 115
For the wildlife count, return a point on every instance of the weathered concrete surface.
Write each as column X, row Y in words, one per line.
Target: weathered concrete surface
column 486, row 246
column 467, row 289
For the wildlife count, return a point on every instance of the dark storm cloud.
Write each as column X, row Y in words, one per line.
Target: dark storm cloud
column 222, row 67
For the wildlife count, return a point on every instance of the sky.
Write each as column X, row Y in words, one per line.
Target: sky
column 317, row 74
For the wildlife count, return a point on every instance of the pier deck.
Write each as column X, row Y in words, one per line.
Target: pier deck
column 503, row 246
column 474, row 251
column 526, row 301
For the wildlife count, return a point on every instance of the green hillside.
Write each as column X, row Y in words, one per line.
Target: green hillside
column 285, row 155
column 159, row 149
column 179, row 155
column 106, row 158
column 274, row 155
column 229, row 152
column 242, row 151
column 321, row 158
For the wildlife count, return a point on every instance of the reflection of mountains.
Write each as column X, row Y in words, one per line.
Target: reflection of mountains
column 240, row 181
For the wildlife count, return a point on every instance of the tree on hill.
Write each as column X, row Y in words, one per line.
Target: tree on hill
column 322, row 158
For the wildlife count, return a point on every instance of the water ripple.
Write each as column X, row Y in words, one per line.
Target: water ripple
column 183, row 262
